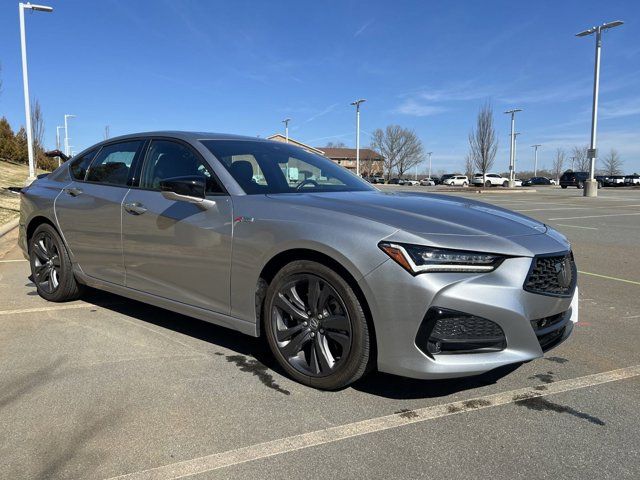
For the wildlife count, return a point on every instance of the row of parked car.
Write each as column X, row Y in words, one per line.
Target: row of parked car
column 578, row 179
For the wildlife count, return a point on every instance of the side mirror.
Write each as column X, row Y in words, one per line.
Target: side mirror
column 185, row 189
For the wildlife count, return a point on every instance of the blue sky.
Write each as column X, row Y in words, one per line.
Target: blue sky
column 241, row 67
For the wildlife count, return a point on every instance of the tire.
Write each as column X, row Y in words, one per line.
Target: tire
column 487, row 184
column 505, row 184
column 51, row 268
column 599, row 185
column 563, row 186
column 580, row 185
column 310, row 348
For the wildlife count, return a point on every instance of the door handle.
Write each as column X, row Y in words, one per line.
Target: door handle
column 74, row 192
column 134, row 208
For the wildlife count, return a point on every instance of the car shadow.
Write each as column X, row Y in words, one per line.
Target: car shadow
column 375, row 383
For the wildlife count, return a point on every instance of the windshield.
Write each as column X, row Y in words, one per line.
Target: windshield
column 269, row 167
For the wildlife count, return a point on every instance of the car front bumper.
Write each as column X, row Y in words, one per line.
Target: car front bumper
column 400, row 301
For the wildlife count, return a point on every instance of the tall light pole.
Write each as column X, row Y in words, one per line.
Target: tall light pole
column 58, row 140
column 25, row 82
column 512, row 152
column 535, row 161
column 515, row 149
column 357, row 105
column 591, row 186
column 429, row 153
column 66, row 133
column 286, row 128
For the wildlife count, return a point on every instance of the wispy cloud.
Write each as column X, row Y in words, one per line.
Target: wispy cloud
column 414, row 108
column 361, row 30
column 621, row 108
column 322, row 113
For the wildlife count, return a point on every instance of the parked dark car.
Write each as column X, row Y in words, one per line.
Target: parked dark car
column 537, row 181
column 576, row 179
column 396, row 181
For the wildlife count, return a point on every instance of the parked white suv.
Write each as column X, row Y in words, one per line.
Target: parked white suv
column 491, row 180
column 461, row 180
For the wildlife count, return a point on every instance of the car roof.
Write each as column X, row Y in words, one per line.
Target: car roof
column 188, row 135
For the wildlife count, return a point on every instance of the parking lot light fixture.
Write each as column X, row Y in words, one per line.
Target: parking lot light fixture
column 286, row 129
column 66, row 133
column 535, row 159
column 429, row 154
column 512, row 112
column 58, row 140
column 357, row 105
column 591, row 186
column 25, row 82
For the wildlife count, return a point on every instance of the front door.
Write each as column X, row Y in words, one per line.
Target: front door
column 177, row 249
column 89, row 210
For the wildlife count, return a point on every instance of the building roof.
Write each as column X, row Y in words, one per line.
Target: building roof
column 278, row 137
column 350, row 153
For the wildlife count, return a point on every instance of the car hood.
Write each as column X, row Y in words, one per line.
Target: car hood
column 429, row 214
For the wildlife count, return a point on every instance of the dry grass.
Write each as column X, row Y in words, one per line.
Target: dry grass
column 11, row 175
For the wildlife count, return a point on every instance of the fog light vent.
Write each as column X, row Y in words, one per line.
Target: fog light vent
column 446, row 331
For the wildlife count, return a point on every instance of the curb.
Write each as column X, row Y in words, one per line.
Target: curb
column 7, row 227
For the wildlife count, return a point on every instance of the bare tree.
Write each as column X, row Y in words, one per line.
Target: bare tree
column 468, row 166
column 37, row 124
column 558, row 163
column 581, row 163
column 612, row 163
column 335, row 145
column 400, row 148
column 0, row 78
column 483, row 142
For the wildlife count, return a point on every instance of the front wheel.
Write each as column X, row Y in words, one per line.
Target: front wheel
column 316, row 326
column 505, row 184
column 51, row 268
column 563, row 186
column 580, row 185
column 465, row 184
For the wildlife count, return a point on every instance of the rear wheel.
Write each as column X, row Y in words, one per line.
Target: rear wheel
column 315, row 326
column 487, row 183
column 465, row 184
column 51, row 268
column 505, row 184
column 563, row 186
column 580, row 185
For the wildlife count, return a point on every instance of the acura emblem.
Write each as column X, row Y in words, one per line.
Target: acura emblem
column 563, row 270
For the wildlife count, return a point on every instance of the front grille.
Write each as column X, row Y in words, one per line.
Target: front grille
column 552, row 275
column 447, row 331
column 550, row 330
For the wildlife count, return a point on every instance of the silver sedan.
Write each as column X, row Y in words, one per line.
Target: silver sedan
column 276, row 242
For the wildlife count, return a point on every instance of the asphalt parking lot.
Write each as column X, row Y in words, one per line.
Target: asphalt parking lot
column 107, row 387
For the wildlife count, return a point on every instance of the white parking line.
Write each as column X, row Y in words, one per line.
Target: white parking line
column 597, row 216
column 47, row 309
column 576, row 226
column 624, row 280
column 342, row 432
column 12, row 261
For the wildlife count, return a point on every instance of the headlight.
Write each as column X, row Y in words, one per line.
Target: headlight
column 418, row 259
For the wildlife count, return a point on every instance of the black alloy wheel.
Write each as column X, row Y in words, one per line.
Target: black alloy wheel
column 315, row 326
column 51, row 268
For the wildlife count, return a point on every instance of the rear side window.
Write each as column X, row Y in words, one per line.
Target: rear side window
column 79, row 166
column 111, row 166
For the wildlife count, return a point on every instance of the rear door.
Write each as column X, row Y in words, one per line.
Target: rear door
column 173, row 248
column 89, row 210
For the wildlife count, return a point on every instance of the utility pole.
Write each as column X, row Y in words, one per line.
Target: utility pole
column 25, row 83
column 429, row 153
column 58, row 140
column 66, row 133
column 512, row 156
column 357, row 105
column 106, row 132
column 286, row 128
column 512, row 183
column 591, row 186
column 535, row 161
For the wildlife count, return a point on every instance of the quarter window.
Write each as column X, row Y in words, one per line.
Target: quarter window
column 79, row 166
column 167, row 159
column 113, row 163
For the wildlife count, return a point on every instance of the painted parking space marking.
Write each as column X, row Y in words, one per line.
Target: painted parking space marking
column 316, row 438
column 47, row 309
column 624, row 280
column 598, row 216
column 13, row 261
column 576, row 226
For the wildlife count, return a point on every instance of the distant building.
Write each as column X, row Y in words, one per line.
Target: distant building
column 371, row 162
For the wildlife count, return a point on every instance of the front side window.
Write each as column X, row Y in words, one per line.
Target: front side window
column 167, row 159
column 113, row 163
column 79, row 166
column 269, row 167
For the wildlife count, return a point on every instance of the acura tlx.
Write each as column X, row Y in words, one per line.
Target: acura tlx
column 281, row 243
